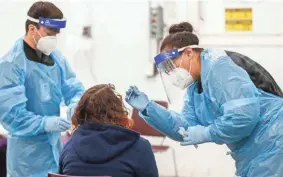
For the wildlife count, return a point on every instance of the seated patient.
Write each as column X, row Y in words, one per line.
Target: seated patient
column 102, row 142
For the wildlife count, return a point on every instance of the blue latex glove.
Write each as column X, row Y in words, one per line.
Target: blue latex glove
column 136, row 98
column 56, row 124
column 195, row 135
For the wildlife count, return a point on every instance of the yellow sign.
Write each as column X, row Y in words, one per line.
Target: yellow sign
column 239, row 19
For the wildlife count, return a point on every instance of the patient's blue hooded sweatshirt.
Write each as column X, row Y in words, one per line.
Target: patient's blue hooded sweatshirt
column 107, row 150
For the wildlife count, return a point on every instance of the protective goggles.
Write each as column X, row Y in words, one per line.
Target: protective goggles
column 164, row 62
column 50, row 23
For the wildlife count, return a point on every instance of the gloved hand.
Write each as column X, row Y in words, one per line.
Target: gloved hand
column 136, row 98
column 195, row 135
column 56, row 124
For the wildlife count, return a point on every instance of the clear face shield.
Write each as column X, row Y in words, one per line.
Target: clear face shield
column 47, row 44
column 174, row 78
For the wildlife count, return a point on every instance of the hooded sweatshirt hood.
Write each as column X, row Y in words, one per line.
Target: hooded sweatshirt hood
column 99, row 143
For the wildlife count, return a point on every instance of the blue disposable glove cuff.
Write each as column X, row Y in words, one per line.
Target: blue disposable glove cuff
column 207, row 135
column 145, row 106
column 196, row 135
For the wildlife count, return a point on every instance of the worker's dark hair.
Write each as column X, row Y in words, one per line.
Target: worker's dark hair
column 101, row 104
column 180, row 35
column 43, row 9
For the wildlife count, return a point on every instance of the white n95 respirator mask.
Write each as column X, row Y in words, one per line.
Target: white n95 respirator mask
column 181, row 78
column 46, row 44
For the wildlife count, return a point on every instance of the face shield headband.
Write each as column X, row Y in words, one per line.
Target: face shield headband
column 50, row 23
column 170, row 54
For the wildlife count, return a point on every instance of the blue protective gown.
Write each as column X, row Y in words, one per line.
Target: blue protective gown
column 248, row 120
column 30, row 92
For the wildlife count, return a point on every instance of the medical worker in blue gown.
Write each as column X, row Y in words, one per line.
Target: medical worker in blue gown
column 222, row 105
column 35, row 78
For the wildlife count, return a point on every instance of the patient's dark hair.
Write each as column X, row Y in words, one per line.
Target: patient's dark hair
column 101, row 104
column 180, row 35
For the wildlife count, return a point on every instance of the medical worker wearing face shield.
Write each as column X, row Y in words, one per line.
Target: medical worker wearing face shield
column 35, row 78
column 222, row 105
